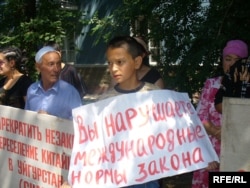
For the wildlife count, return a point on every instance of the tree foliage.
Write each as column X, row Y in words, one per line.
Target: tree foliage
column 29, row 24
column 190, row 34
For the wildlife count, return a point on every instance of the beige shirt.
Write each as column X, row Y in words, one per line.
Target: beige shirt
column 145, row 86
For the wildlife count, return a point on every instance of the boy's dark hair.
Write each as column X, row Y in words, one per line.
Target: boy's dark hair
column 133, row 47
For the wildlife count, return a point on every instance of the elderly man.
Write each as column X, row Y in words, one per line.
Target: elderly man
column 51, row 95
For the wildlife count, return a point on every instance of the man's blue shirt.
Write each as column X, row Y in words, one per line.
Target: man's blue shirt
column 57, row 101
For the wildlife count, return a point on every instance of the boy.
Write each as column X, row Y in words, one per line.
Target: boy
column 124, row 55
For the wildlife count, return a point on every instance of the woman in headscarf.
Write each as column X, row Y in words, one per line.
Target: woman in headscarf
column 210, row 117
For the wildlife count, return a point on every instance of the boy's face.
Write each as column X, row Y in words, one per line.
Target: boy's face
column 122, row 66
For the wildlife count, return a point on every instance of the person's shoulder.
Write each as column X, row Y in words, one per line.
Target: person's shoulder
column 109, row 93
column 26, row 78
column 149, row 86
column 67, row 87
column 214, row 79
column 69, row 67
column 33, row 86
column 213, row 82
column 64, row 84
column 154, row 71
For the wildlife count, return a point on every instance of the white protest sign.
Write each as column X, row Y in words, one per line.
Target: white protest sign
column 135, row 138
column 35, row 149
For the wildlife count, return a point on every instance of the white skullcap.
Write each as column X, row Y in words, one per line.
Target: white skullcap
column 43, row 51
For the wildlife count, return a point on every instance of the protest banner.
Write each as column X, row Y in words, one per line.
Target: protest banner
column 235, row 140
column 35, row 149
column 135, row 138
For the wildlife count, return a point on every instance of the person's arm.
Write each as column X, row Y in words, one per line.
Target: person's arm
column 26, row 82
column 218, row 100
column 212, row 130
column 65, row 185
column 218, row 107
column 213, row 165
column 206, row 100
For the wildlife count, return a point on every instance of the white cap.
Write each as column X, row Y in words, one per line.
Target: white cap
column 143, row 44
column 43, row 51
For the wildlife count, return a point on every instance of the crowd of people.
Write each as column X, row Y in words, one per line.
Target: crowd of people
column 59, row 90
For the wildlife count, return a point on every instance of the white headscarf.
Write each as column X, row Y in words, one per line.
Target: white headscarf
column 43, row 51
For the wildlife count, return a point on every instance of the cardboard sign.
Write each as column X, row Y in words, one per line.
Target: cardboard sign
column 35, row 149
column 136, row 138
column 235, row 139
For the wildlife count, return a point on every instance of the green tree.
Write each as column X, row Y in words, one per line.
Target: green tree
column 29, row 24
column 190, row 34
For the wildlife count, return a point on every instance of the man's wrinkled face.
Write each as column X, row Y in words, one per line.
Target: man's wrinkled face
column 50, row 68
